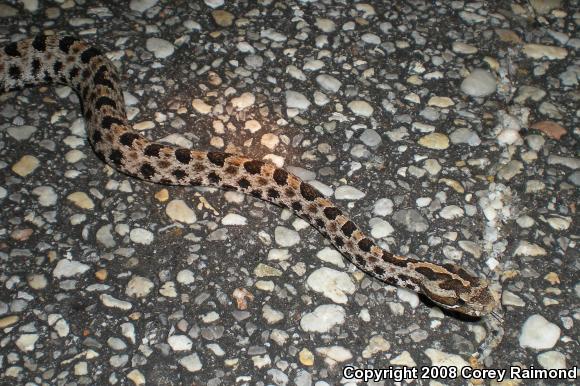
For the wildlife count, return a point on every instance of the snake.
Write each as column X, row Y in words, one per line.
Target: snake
column 65, row 59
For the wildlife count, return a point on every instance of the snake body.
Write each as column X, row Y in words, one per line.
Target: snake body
column 70, row 61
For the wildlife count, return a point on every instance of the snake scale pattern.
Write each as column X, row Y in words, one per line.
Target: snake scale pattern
column 70, row 61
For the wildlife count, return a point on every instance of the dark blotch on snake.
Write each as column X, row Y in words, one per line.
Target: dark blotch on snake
column 244, row 183
column 308, row 192
column 47, row 78
column 57, row 66
column 36, row 67
column 128, row 138
column 273, row 193
column 348, row 228
column 332, row 212
column 217, row 158
column 105, row 101
column 365, row 245
column 179, row 174
column 290, row 192
column 14, row 72
column 39, row 43
column 65, row 43
column 101, row 77
column 74, row 72
column 116, row 157
column 108, row 121
column 297, row 206
column 379, row 271
column 89, row 53
column 253, row 167
column 183, row 156
column 97, row 136
column 281, row 176
column 214, row 178
column 153, row 150
column 12, row 50
column 147, row 170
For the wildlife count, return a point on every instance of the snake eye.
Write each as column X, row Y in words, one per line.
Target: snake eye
column 460, row 303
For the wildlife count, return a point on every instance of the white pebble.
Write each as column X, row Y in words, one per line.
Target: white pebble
column 552, row 360
column 464, row 48
column 408, row 296
column 234, row 219
column 335, row 354
column 380, row 228
column 361, row 108
column 252, row 125
column 110, row 301
column 141, row 236
column 526, row 248
column 286, row 237
column 191, row 363
column 479, row 83
column 313, row 65
column 370, row 38
column 440, row 359
column 168, row 289
column 26, row 342
column 128, row 331
column 323, row 318
column 179, row 211
column 331, row 283
column 508, row 137
column 180, row 343
column 185, row 276
column 296, row 100
column 200, row 106
column 245, row 100
column 451, row 212
column 59, row 324
column 69, row 268
column 270, row 315
column 275, row 36
column 278, row 254
column 270, row 140
column 21, row 133
column 383, row 207
column 538, row 333
column 332, row 256
column 370, row 138
column 328, row 83
column 347, row 192
column 325, row 25
column 139, row 287
column 161, row 48
column 46, row 195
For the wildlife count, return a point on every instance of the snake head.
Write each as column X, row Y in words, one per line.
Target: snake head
column 454, row 288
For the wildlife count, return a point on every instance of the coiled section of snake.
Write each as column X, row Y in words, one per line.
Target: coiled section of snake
column 68, row 60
